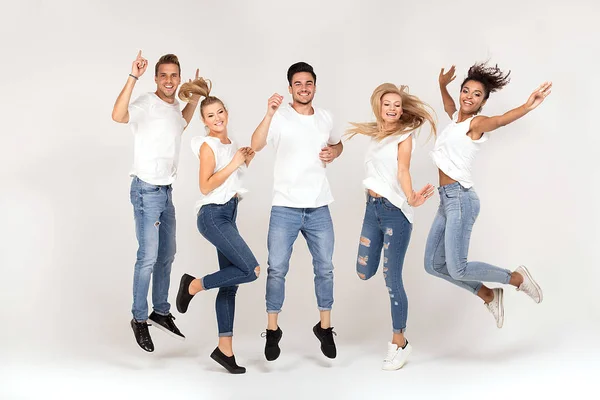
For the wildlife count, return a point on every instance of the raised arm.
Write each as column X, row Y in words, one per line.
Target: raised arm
column 209, row 180
column 259, row 137
column 414, row 199
column 444, row 80
column 190, row 107
column 121, row 109
column 481, row 124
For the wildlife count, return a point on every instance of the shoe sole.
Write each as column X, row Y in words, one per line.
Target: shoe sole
column 395, row 368
column 538, row 288
column 181, row 288
column 500, row 322
column 165, row 330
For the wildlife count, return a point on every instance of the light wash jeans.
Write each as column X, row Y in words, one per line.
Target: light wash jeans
column 448, row 242
column 317, row 228
column 385, row 227
column 155, row 231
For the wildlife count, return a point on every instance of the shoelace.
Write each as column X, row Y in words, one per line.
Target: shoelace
column 144, row 333
column 329, row 332
column 391, row 354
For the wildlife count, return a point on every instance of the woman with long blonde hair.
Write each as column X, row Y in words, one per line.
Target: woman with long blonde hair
column 391, row 198
column 221, row 164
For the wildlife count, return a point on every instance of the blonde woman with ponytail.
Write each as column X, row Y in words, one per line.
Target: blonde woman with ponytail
column 221, row 166
column 390, row 201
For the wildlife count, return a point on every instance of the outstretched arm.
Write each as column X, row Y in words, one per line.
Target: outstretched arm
column 444, row 80
column 481, row 124
column 120, row 110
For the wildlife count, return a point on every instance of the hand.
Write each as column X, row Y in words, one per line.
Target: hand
column 446, row 78
column 250, row 153
column 327, row 154
column 139, row 65
column 538, row 96
column 421, row 196
column 239, row 157
column 195, row 97
column 273, row 104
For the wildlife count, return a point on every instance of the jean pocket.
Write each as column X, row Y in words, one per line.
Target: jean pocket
column 388, row 205
column 451, row 193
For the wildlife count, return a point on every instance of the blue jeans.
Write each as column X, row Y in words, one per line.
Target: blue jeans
column 155, row 231
column 385, row 227
column 317, row 228
column 448, row 242
column 216, row 222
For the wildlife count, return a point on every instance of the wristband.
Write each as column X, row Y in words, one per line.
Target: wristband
column 134, row 77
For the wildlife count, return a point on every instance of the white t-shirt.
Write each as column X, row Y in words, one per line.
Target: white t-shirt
column 381, row 168
column 300, row 180
column 157, row 127
column 454, row 151
column 223, row 155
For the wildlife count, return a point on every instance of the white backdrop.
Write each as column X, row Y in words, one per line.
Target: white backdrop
column 68, row 244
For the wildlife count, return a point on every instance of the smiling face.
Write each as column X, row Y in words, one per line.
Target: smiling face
column 391, row 108
column 472, row 97
column 215, row 117
column 167, row 81
column 303, row 88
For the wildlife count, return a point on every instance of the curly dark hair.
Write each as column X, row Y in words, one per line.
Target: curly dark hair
column 492, row 78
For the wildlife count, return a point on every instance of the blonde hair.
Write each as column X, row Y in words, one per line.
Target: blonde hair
column 200, row 87
column 415, row 114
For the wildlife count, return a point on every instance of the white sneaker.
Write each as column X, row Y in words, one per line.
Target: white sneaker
column 529, row 286
column 496, row 306
column 396, row 356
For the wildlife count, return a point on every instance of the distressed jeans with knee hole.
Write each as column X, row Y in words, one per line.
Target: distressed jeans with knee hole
column 237, row 264
column 447, row 245
column 155, row 231
column 385, row 227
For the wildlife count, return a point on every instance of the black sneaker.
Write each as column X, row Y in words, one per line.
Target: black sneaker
column 227, row 362
column 142, row 336
column 165, row 323
column 183, row 295
column 272, row 349
column 325, row 336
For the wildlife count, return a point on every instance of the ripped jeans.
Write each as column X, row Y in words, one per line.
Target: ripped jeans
column 155, row 231
column 237, row 264
column 385, row 227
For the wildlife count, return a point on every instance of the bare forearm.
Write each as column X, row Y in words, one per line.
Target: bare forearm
column 217, row 179
column 338, row 149
column 512, row 115
column 405, row 183
column 449, row 105
column 259, row 137
column 120, row 111
column 188, row 111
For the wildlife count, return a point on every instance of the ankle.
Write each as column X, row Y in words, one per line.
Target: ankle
column 516, row 279
column 195, row 286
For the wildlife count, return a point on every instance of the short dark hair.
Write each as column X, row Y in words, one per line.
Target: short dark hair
column 492, row 78
column 167, row 59
column 300, row 67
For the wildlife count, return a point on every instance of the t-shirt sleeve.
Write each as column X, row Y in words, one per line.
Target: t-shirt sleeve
column 335, row 134
column 197, row 141
column 274, row 130
column 138, row 109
